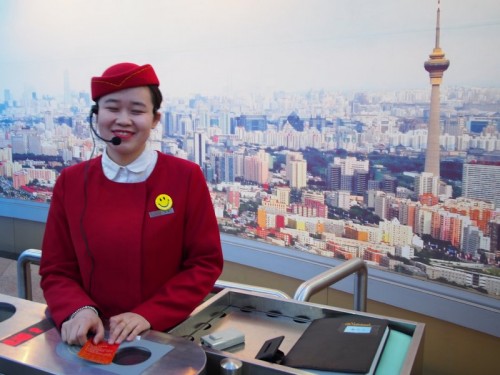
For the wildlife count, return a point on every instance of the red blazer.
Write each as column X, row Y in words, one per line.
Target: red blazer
column 106, row 244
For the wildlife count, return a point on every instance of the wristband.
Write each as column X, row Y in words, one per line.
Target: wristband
column 83, row 308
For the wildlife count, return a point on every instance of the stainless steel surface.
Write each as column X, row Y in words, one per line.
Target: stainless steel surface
column 261, row 317
column 310, row 287
column 261, row 314
column 221, row 284
column 46, row 354
column 27, row 257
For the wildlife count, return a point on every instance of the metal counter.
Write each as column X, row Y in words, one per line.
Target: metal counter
column 30, row 344
column 261, row 317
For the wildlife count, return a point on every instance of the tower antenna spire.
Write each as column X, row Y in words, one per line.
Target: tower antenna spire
column 438, row 21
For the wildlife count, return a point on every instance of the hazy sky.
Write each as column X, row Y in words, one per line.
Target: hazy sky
column 216, row 46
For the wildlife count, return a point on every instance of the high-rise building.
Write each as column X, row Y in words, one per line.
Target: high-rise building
column 342, row 199
column 19, row 179
column 5, row 154
column 471, row 240
column 185, row 124
column 209, row 172
column 346, row 182
column 223, row 166
column 348, row 174
column 395, row 233
column 423, row 220
column 389, row 184
column 49, row 121
column 360, row 182
column 199, row 150
column 449, row 226
column 225, row 122
column 479, row 211
column 481, row 180
column 333, row 174
column 351, row 164
column 233, row 198
column 168, row 119
column 19, row 144
column 34, row 144
column 296, row 170
column 494, row 229
column 252, row 122
column 313, row 196
column 256, row 167
column 426, row 183
column 283, row 194
column 373, row 185
column 407, row 211
column 436, row 65
column 239, row 162
column 381, row 205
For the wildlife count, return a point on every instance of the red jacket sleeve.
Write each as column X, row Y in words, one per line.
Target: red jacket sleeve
column 59, row 269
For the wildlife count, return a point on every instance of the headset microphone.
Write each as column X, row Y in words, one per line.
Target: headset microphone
column 115, row 140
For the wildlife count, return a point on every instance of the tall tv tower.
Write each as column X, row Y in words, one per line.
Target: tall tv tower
column 436, row 65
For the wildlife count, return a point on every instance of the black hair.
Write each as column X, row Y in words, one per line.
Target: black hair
column 156, row 97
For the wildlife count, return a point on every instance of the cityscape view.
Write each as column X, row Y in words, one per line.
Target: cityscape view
column 406, row 178
column 345, row 180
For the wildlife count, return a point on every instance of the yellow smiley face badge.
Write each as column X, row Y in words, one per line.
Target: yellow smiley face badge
column 163, row 202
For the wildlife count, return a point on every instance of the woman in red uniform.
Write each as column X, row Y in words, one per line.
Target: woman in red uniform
column 131, row 235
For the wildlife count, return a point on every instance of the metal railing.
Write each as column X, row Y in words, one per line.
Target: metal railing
column 310, row 287
column 303, row 293
column 24, row 262
column 33, row 256
column 221, row 284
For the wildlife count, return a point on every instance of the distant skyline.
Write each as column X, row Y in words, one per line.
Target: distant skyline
column 234, row 46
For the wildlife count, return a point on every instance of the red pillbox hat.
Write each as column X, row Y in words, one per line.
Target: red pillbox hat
column 123, row 76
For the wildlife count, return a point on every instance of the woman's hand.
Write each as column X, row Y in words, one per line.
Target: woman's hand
column 126, row 326
column 75, row 330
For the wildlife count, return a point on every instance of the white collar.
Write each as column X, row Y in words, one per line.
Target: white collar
column 136, row 171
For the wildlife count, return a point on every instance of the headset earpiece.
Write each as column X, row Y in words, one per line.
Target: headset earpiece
column 94, row 109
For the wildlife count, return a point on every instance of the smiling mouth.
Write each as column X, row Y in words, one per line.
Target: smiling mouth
column 123, row 134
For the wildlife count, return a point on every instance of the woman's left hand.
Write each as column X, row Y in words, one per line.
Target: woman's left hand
column 126, row 326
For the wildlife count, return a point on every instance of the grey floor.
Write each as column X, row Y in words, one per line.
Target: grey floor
column 8, row 280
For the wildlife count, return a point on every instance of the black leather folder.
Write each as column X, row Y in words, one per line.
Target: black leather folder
column 348, row 343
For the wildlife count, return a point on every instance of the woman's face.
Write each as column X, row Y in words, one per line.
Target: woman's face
column 127, row 114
